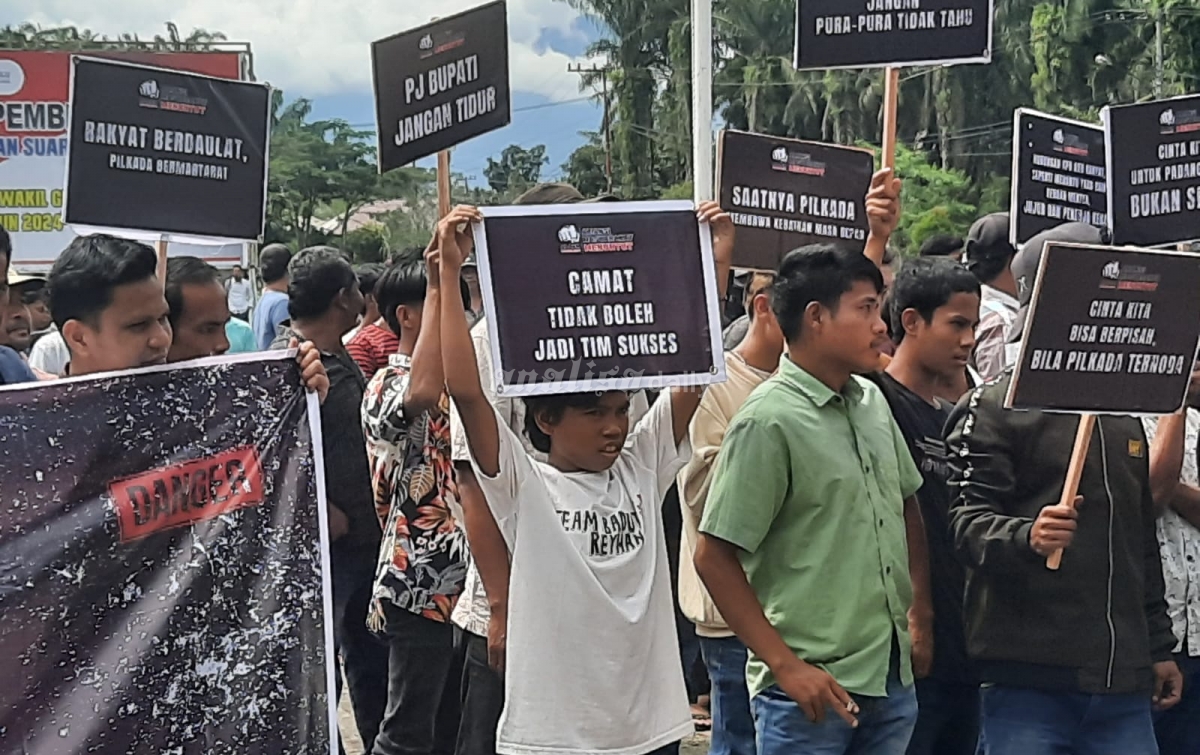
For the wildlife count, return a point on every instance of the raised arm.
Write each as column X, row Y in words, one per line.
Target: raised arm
column 428, row 373
column 883, row 213
column 685, row 400
column 458, row 355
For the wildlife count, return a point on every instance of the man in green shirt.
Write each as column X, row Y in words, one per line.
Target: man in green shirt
column 811, row 543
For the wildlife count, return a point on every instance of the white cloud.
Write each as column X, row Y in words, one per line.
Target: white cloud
column 318, row 47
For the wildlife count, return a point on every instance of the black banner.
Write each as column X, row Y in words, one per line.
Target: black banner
column 613, row 296
column 441, row 84
column 162, row 581
column 1058, row 174
column 159, row 150
column 784, row 193
column 1154, row 171
column 1111, row 331
column 881, row 33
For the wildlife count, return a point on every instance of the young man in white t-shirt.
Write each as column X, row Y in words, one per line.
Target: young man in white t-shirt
column 589, row 560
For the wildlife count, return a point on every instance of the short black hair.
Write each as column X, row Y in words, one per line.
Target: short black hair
column 5, row 244
column 368, row 277
column 273, row 262
column 407, row 254
column 758, row 283
column 315, row 277
column 186, row 271
column 925, row 284
column 404, row 284
column 553, row 407
column 942, row 245
column 818, row 273
column 89, row 269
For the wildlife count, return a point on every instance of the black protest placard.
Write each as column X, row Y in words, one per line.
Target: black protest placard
column 784, row 193
column 441, row 84
column 1111, row 331
column 883, row 33
column 164, row 586
column 1058, row 174
column 614, row 296
column 165, row 151
column 1154, row 171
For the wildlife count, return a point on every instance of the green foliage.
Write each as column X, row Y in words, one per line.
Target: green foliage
column 584, row 169
column 957, row 120
column 934, row 200
column 684, row 190
column 366, row 244
column 28, row 36
column 517, row 170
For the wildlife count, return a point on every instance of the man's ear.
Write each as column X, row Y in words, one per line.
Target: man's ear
column 910, row 319
column 814, row 314
column 78, row 336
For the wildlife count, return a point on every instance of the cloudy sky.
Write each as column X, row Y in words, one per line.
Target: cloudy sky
column 320, row 49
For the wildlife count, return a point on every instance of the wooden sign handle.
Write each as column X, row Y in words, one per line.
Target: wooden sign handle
column 160, row 270
column 891, row 100
column 1083, row 441
column 443, row 183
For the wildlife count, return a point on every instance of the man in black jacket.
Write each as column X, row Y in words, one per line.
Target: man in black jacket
column 1072, row 660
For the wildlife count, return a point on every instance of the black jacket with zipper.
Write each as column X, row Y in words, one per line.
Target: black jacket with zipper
column 1098, row 623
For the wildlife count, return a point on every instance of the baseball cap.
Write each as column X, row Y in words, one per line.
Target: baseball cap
column 18, row 279
column 1025, row 264
column 988, row 241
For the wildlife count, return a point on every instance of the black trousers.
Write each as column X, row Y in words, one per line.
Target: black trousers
column 364, row 658
column 423, row 671
column 482, row 699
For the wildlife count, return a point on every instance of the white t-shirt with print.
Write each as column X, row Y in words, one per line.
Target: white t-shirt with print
column 473, row 611
column 593, row 658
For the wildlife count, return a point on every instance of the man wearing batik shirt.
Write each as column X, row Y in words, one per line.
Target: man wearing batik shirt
column 1176, row 488
column 423, row 559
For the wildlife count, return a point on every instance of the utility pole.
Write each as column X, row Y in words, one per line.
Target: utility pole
column 1158, row 53
column 603, row 71
column 702, row 100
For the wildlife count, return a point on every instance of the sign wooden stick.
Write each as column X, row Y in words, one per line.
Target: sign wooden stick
column 160, row 270
column 1083, row 441
column 891, row 99
column 443, row 183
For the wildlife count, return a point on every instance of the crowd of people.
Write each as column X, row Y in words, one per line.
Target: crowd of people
column 862, row 527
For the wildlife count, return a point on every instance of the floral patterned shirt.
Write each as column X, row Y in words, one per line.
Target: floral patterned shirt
column 423, row 558
column 1179, row 543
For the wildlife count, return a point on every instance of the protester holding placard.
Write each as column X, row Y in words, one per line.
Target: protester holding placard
column 754, row 359
column 813, row 450
column 423, row 559
column 1071, row 660
column 934, row 307
column 585, row 531
column 482, row 612
column 988, row 255
column 1176, row 486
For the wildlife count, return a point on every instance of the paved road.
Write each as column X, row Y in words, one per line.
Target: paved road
column 697, row 745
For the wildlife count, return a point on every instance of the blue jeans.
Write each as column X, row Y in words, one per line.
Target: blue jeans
column 732, row 721
column 1031, row 722
column 1178, row 729
column 948, row 721
column 885, row 724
